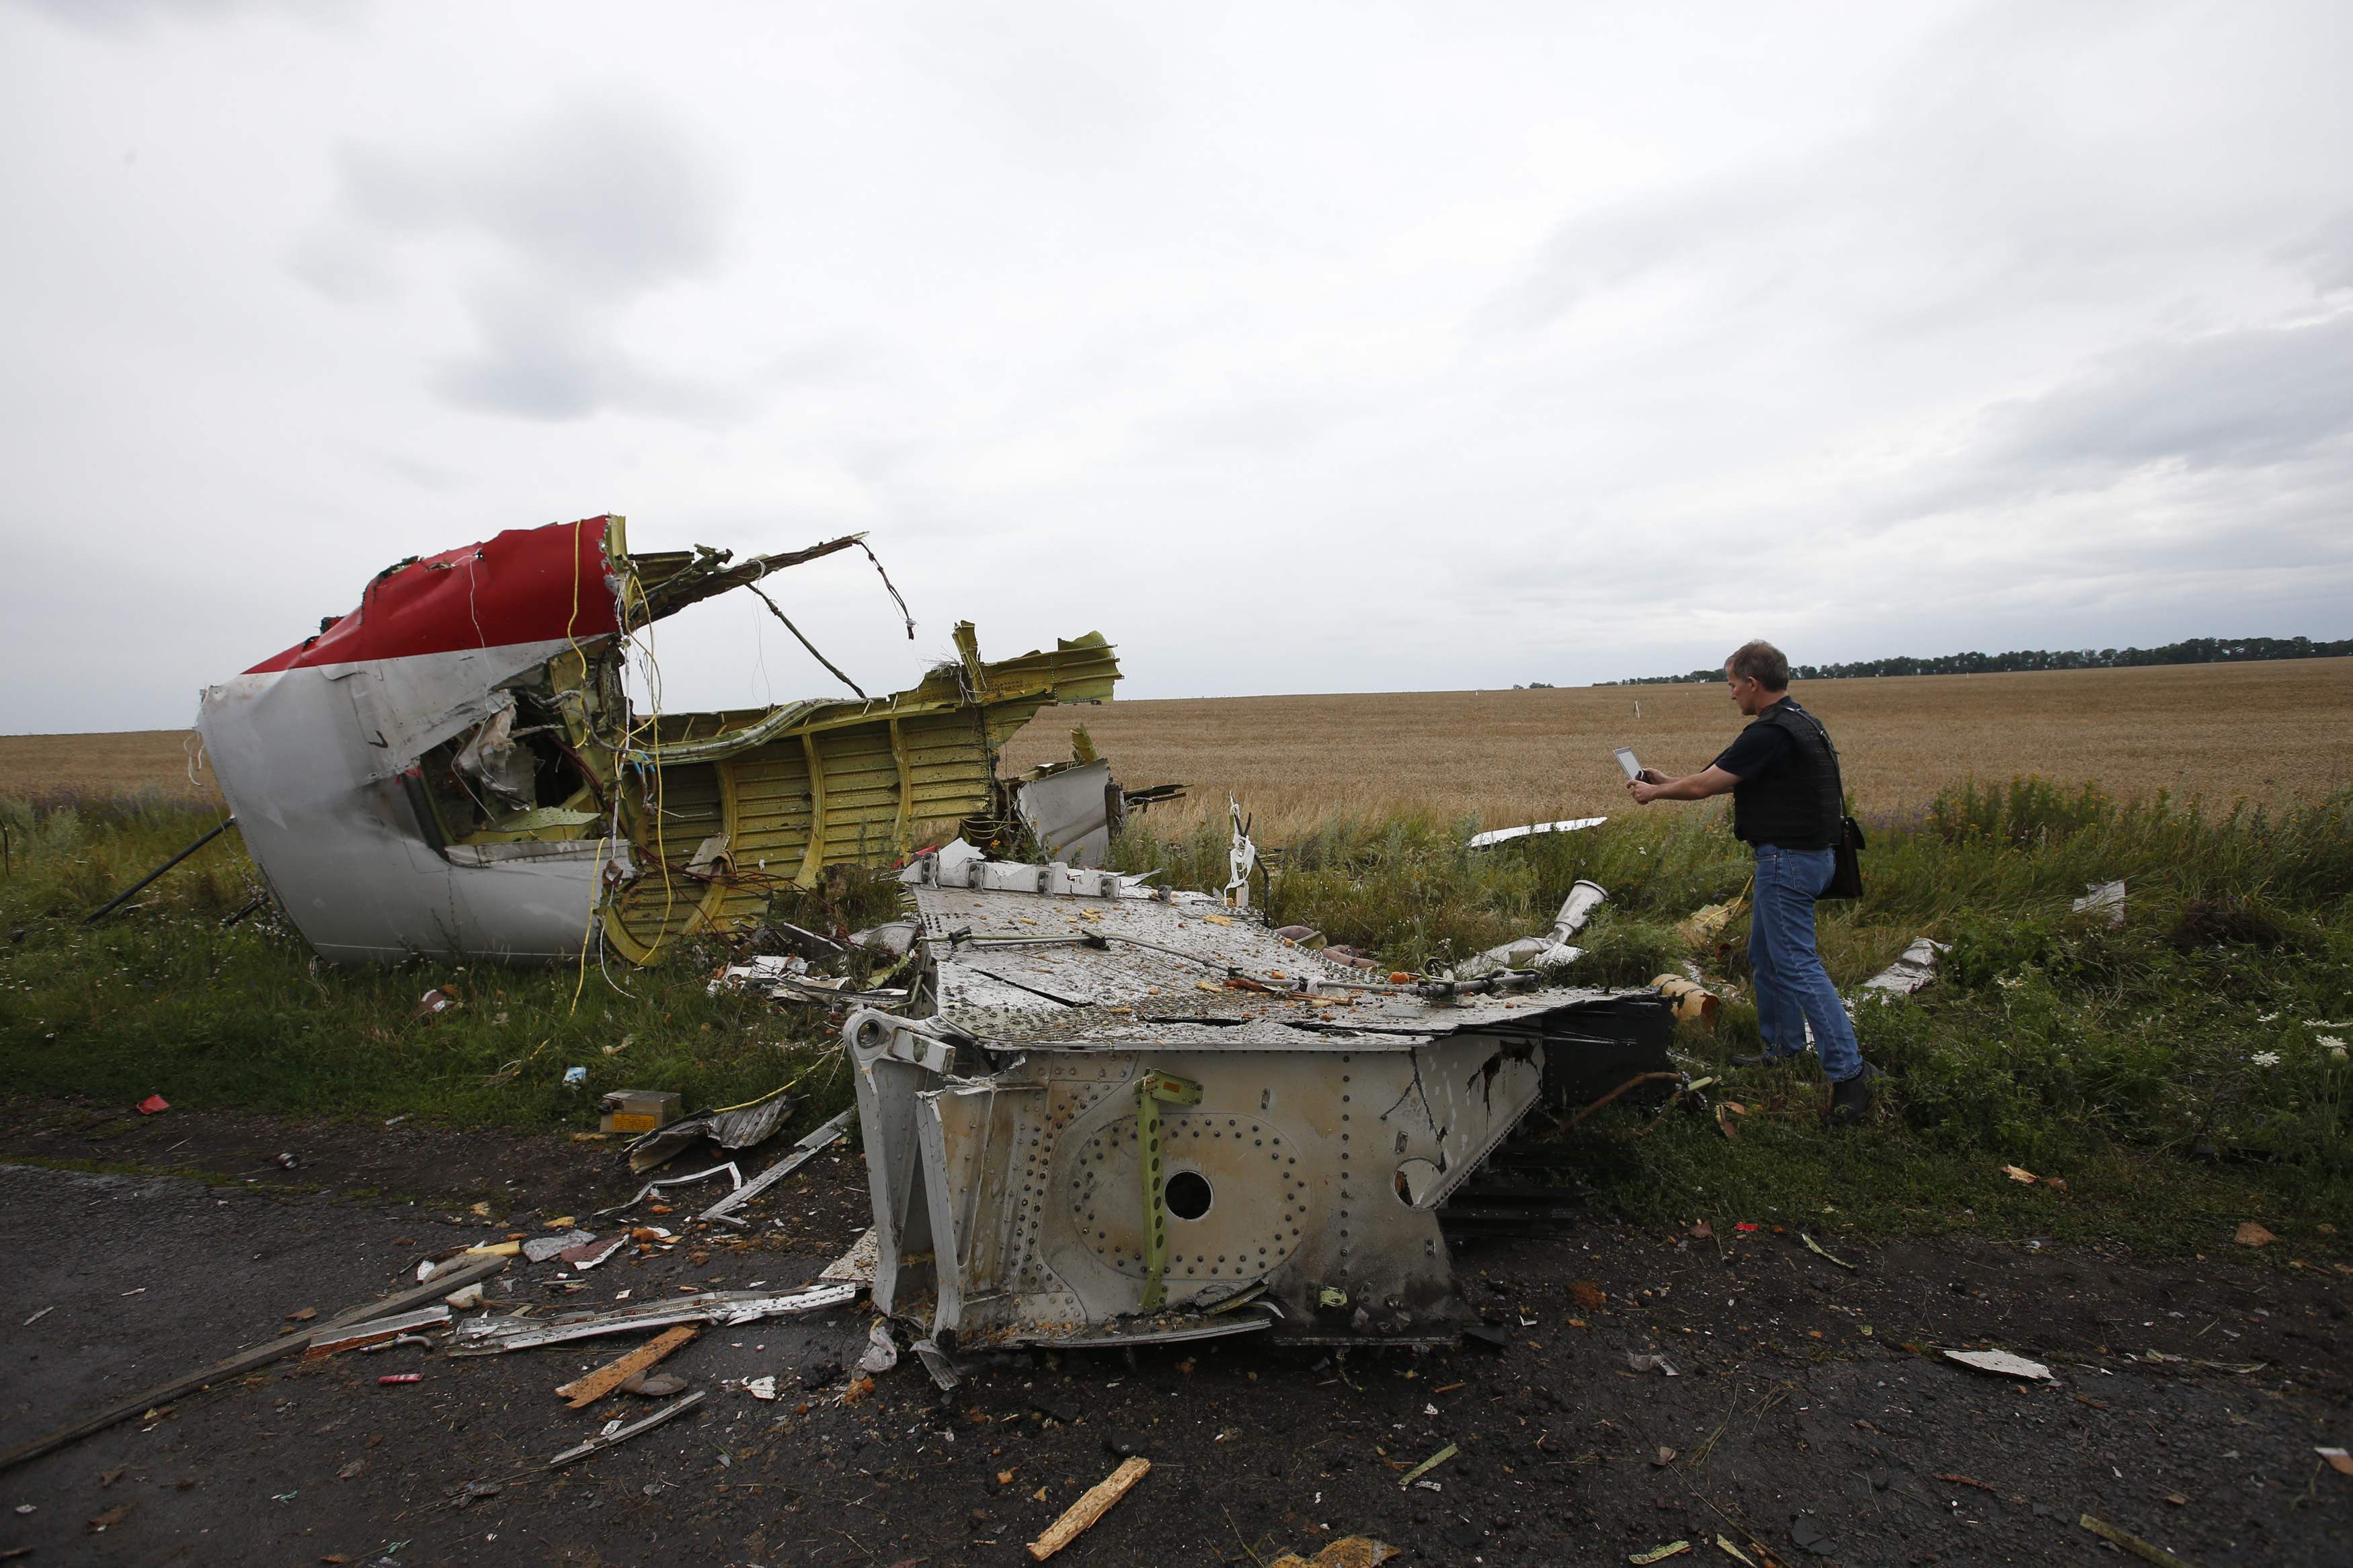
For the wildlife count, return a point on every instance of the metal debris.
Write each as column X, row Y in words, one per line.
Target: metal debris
column 455, row 766
column 2003, row 1363
column 1489, row 840
column 635, row 1428
column 491, row 1336
column 735, row 1179
column 1128, row 1108
column 800, row 1154
column 1909, row 972
column 2106, row 899
column 731, row 1127
column 353, row 1336
column 1551, row 950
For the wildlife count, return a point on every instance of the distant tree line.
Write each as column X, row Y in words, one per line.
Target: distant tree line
column 2195, row 650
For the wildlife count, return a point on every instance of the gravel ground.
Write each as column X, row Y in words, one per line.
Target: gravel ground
column 1811, row 1417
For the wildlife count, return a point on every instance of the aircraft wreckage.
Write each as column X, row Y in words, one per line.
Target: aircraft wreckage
column 1110, row 1115
column 455, row 766
column 1103, row 1113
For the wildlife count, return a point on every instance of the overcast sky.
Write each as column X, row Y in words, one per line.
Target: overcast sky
column 1296, row 348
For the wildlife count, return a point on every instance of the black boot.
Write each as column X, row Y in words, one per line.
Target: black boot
column 1851, row 1097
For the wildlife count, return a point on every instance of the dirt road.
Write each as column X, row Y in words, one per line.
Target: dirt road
column 1809, row 1412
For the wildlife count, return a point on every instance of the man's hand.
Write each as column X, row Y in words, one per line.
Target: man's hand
column 1652, row 785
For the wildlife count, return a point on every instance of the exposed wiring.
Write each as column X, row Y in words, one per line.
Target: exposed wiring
column 780, row 615
column 904, row 614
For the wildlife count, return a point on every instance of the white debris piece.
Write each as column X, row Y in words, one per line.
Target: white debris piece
column 855, row 1267
column 1911, row 971
column 1505, row 834
column 2002, row 1364
column 2102, row 898
column 766, row 969
column 881, row 1351
column 1550, row 950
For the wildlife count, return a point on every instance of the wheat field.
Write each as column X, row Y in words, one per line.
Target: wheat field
column 2267, row 732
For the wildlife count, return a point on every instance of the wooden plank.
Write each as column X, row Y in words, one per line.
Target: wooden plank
column 1090, row 1507
column 584, row 1391
column 247, row 1360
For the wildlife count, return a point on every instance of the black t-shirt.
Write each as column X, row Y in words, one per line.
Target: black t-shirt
column 1758, row 749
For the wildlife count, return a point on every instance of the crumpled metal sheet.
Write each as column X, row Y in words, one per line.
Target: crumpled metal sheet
column 740, row 1127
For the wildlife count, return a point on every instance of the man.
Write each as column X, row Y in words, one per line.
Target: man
column 1782, row 773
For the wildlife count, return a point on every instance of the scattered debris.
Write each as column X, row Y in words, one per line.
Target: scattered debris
column 2250, row 1233
column 491, row 1336
column 1639, row 1362
column 637, row 1111
column 46, row 1310
column 944, row 1371
column 603, row 1440
column 2018, row 1175
column 401, row 1377
column 1494, row 837
column 1970, row 1482
column 760, row 1387
column 735, row 1180
column 733, row 1127
column 583, row 1391
column 1729, row 1550
column 434, row 1002
column 653, row 1385
column 332, row 1340
column 855, row 1267
column 1662, row 1459
column 799, row 1155
column 1816, row 1248
column 154, row 1104
column 466, row 1296
column 1660, row 1553
column 1702, row 927
column 1090, row 1507
column 590, row 1253
column 2003, row 1363
column 1914, row 970
column 2338, row 1460
column 881, row 1351
column 2131, row 1543
column 1692, row 1003
column 540, row 1248
column 2103, row 899
column 1552, row 950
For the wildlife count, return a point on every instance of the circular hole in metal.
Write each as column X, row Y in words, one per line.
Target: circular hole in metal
column 1187, row 1194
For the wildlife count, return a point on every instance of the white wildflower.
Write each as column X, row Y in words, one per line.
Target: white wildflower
column 2333, row 1044
column 2267, row 1017
column 2265, row 1059
column 2010, row 981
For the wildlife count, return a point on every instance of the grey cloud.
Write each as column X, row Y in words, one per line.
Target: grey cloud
column 2326, row 256
column 119, row 17
column 599, row 196
column 552, row 238
column 2245, row 398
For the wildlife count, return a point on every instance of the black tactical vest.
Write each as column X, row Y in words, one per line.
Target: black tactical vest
column 1795, row 804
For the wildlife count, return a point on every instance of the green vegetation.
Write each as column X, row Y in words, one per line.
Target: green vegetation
column 2176, row 1070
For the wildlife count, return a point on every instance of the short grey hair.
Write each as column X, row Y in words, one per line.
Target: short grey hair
column 1762, row 662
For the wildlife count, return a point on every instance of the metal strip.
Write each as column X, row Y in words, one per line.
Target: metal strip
column 812, row 859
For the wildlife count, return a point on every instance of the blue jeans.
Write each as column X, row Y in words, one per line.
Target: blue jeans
column 1793, row 990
